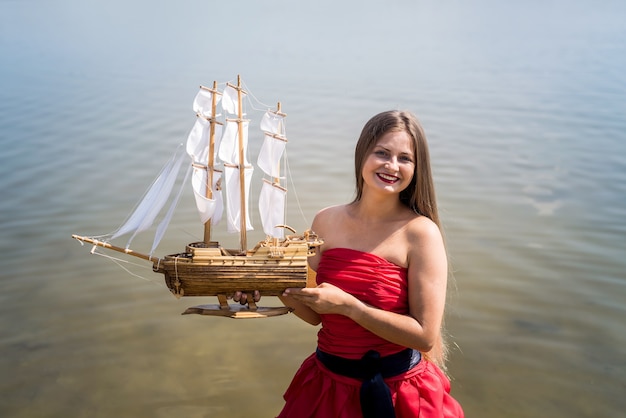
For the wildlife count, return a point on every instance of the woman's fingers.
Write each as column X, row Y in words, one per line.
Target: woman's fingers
column 242, row 297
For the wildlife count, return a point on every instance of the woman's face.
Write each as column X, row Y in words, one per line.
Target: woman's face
column 390, row 166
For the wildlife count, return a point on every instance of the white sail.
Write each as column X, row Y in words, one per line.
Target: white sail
column 272, row 209
column 198, row 145
column 203, row 102
column 153, row 201
column 198, row 140
column 273, row 122
column 165, row 222
column 270, row 154
column 233, row 201
column 272, row 198
column 230, row 101
column 229, row 145
column 207, row 208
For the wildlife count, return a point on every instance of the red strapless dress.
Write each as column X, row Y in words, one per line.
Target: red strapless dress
column 315, row 391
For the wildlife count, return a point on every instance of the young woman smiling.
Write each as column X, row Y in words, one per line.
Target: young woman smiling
column 381, row 289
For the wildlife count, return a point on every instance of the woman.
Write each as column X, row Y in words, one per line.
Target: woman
column 382, row 278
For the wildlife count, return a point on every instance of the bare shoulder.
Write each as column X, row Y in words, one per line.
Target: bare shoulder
column 332, row 210
column 422, row 230
column 325, row 223
column 326, row 217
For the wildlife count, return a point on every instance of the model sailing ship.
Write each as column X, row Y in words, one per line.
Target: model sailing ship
column 218, row 152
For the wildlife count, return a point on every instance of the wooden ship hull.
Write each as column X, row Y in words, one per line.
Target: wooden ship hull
column 210, row 271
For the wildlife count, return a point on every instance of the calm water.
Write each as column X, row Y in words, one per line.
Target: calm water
column 525, row 109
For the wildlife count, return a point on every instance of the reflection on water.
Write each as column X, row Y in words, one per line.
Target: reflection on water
column 524, row 108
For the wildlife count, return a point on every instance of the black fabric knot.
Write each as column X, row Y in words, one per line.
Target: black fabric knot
column 375, row 395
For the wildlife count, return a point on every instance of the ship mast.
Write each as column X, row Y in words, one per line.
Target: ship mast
column 280, row 129
column 276, row 180
column 211, row 162
column 243, row 239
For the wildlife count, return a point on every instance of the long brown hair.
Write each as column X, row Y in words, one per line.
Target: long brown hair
column 420, row 194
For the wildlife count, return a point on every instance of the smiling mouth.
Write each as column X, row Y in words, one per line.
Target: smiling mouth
column 387, row 178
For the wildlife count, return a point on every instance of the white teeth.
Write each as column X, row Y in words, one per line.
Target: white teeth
column 387, row 177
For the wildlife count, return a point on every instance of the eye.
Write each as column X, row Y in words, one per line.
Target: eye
column 406, row 158
column 380, row 153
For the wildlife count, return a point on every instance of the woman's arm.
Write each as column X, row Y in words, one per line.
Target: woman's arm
column 301, row 310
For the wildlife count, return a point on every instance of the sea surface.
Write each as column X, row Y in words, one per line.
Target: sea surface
column 524, row 106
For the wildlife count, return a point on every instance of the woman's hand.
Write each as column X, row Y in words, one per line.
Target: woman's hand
column 324, row 299
column 242, row 297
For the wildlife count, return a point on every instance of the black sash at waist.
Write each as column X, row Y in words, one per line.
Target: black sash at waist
column 371, row 363
column 372, row 369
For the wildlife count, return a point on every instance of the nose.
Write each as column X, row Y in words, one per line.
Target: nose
column 392, row 164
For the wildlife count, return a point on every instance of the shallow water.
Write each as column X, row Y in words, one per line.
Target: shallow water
column 524, row 109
